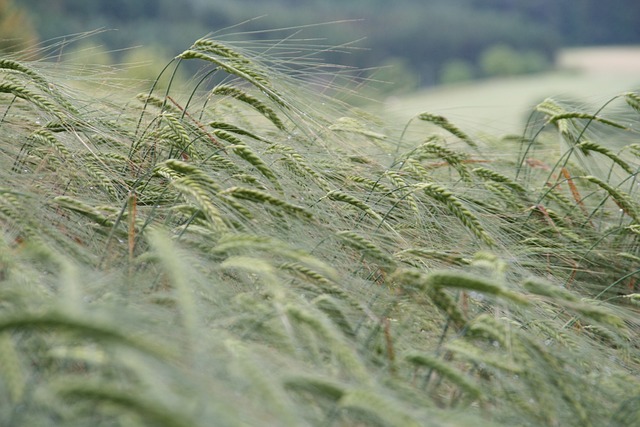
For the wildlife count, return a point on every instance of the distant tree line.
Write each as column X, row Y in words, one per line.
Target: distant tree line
column 430, row 40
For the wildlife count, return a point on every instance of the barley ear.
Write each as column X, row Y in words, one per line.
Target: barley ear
column 622, row 199
column 447, row 371
column 445, row 124
column 131, row 400
column 381, row 410
column 457, row 208
column 169, row 257
column 633, row 100
column 242, row 96
column 11, row 370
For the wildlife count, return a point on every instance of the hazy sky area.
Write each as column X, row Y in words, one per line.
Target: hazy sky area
column 425, row 42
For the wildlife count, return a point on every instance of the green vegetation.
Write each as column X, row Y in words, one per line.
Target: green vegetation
column 17, row 33
column 242, row 250
column 422, row 37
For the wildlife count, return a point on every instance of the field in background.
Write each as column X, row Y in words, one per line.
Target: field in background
column 500, row 106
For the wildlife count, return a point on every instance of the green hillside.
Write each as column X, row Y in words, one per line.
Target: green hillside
column 240, row 250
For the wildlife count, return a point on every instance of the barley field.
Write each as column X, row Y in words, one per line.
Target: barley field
column 501, row 106
column 240, row 250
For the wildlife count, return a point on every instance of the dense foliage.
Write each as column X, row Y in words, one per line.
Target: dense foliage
column 258, row 254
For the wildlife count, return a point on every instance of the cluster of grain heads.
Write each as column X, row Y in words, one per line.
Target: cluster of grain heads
column 16, row 77
column 235, row 64
column 227, row 257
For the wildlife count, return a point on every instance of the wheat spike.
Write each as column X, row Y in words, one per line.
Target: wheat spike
column 588, row 146
column 38, row 100
column 332, row 309
column 586, row 116
column 223, row 126
column 498, row 177
column 82, row 208
column 445, row 124
column 448, row 257
column 447, row 371
column 250, row 156
column 241, row 69
column 192, row 182
column 202, row 197
column 382, row 411
column 333, row 340
column 365, row 245
column 452, row 158
column 414, row 282
column 82, row 323
column 455, row 206
column 10, row 64
column 399, row 182
column 240, row 95
column 633, row 100
column 46, row 137
column 176, row 270
column 471, row 352
column 320, row 387
column 622, row 199
column 258, row 196
column 340, row 196
column 131, row 400
column 177, row 134
column 159, row 103
column 11, row 369
column 298, row 163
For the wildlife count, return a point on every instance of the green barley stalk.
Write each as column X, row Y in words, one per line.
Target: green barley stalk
column 193, row 189
column 10, row 64
column 177, row 134
column 448, row 257
column 633, row 100
column 414, row 282
column 149, row 99
column 622, row 199
column 459, row 280
column 399, row 182
column 84, row 324
column 41, row 82
column 46, row 137
column 586, row 116
column 453, row 158
column 38, row 100
column 223, row 126
column 11, row 370
column 457, row 208
column 319, row 387
column 82, row 208
column 333, row 340
column 258, row 196
column 365, row 245
column 228, row 137
column 240, row 69
column 340, row 196
column 382, row 410
column 130, row 400
column 250, row 156
column 588, row 146
column 489, row 174
column 332, row 308
column 242, row 96
column 445, row 124
column 447, row 371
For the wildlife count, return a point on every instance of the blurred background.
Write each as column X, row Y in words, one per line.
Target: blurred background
column 407, row 44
